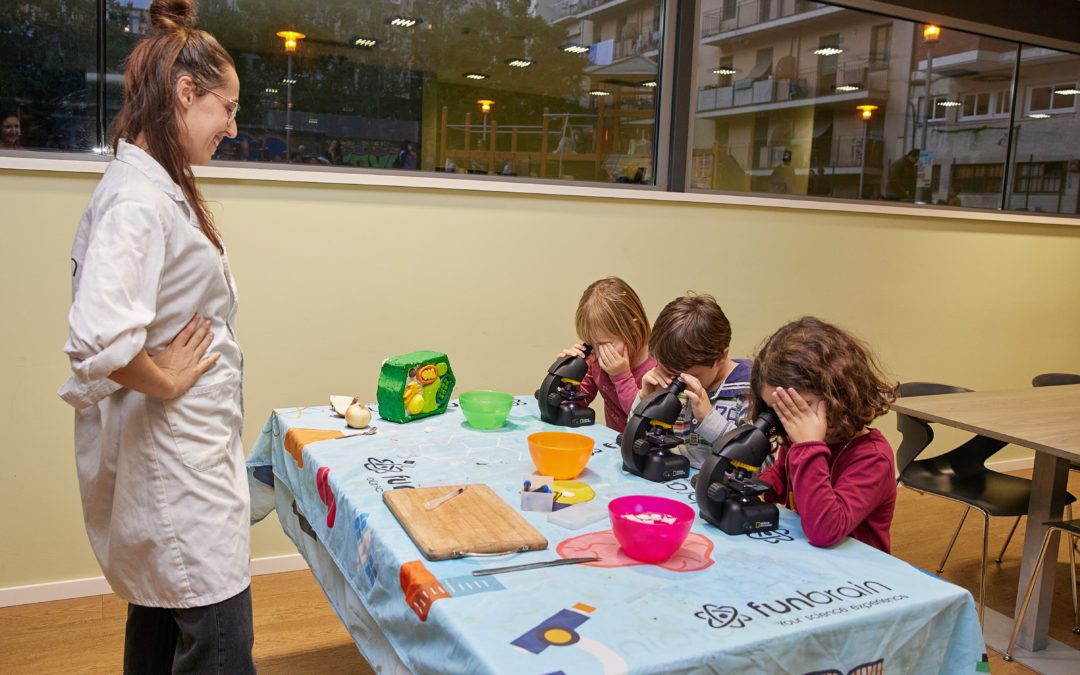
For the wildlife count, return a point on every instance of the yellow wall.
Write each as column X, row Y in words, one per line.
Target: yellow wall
column 333, row 279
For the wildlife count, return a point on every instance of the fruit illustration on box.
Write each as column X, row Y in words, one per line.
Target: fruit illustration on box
column 414, row 385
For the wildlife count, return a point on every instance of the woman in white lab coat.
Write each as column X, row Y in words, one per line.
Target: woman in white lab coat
column 157, row 367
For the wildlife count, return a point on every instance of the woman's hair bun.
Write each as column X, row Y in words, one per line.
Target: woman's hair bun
column 173, row 14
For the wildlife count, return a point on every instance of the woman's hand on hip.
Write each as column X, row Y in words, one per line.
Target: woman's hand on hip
column 185, row 359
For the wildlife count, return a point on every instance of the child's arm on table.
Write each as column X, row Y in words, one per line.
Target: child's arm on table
column 830, row 511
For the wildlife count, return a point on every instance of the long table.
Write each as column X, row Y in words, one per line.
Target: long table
column 1045, row 419
column 768, row 602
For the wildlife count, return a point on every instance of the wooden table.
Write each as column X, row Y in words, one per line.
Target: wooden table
column 1045, row 419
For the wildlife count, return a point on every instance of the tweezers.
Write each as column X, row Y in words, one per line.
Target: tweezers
column 533, row 566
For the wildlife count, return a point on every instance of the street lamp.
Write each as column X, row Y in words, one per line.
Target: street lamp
column 930, row 35
column 866, row 111
column 291, row 38
column 485, row 107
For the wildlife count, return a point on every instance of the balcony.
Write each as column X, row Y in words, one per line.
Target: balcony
column 808, row 87
column 734, row 16
column 569, row 8
column 636, row 45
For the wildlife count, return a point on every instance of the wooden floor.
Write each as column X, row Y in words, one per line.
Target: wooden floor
column 296, row 631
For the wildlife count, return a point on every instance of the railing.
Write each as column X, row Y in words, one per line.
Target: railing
column 751, row 12
column 572, row 7
column 639, row 44
column 806, row 84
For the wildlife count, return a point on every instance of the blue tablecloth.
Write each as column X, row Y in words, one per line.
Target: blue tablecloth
column 768, row 602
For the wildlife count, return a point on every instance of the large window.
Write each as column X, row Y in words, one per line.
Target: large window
column 556, row 90
column 48, row 75
column 786, row 97
column 857, row 106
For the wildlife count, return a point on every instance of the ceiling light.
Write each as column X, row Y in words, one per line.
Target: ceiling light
column 575, row 49
column 828, row 51
column 867, row 110
column 948, row 104
column 651, row 84
column 404, row 21
column 846, row 87
column 475, row 76
column 724, row 70
column 270, row 90
column 1039, row 116
column 1067, row 92
column 519, row 63
column 365, row 42
column 599, row 92
column 288, row 81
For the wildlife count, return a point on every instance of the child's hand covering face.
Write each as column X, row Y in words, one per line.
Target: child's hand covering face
column 700, row 403
column 803, row 420
column 612, row 357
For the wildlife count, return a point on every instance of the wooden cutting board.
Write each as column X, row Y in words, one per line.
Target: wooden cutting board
column 475, row 521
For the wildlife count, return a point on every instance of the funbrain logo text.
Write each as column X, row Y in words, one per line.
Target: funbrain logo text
column 802, row 605
column 390, row 472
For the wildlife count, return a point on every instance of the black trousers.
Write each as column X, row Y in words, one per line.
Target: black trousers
column 215, row 639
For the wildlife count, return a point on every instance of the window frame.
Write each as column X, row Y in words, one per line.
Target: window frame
column 1052, row 87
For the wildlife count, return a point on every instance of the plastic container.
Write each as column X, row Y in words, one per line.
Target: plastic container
column 577, row 516
column 650, row 529
column 486, row 409
column 560, row 454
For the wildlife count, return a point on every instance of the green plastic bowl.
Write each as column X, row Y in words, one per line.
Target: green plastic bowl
column 486, row 409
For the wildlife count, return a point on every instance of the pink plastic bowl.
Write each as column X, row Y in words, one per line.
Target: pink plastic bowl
column 655, row 541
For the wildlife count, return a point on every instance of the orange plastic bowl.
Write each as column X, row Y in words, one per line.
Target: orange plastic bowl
column 560, row 454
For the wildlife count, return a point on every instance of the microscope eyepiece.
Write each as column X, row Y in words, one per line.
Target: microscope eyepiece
column 767, row 421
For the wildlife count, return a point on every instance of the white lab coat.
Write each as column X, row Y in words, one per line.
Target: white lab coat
column 163, row 484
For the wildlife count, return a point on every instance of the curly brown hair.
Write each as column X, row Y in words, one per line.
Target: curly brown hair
column 690, row 331
column 611, row 306
column 813, row 356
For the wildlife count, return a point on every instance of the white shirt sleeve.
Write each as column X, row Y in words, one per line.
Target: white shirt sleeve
column 116, row 289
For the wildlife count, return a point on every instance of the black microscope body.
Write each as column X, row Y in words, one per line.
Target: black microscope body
column 561, row 401
column 647, row 440
column 728, row 494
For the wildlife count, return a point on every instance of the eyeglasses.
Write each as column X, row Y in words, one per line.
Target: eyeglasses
column 232, row 105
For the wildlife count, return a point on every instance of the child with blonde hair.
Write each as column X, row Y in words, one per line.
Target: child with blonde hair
column 611, row 318
column 832, row 468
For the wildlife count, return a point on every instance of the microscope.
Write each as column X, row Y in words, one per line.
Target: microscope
column 728, row 495
column 647, row 441
column 561, row 402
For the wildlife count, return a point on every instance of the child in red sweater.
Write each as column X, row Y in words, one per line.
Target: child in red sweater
column 835, row 471
column 611, row 318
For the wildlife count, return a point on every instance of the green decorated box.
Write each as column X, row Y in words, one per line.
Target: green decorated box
column 414, row 385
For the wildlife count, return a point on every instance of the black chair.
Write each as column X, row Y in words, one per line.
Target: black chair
column 1070, row 528
column 960, row 475
column 1054, row 379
